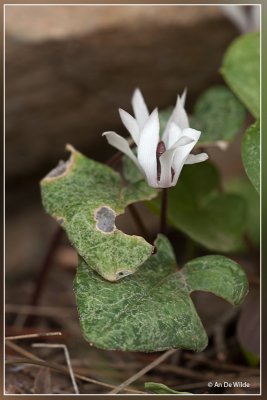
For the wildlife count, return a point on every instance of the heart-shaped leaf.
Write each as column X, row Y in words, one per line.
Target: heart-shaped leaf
column 244, row 188
column 196, row 206
column 218, row 114
column 85, row 197
column 151, row 310
column 241, row 70
column 159, row 388
column 251, row 154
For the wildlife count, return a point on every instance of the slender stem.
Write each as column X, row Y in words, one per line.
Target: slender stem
column 112, row 161
column 138, row 220
column 43, row 274
column 163, row 211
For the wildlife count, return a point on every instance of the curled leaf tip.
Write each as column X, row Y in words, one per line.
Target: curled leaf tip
column 70, row 148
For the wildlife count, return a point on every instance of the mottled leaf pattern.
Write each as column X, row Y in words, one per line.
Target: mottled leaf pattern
column 218, row 114
column 85, row 197
column 241, row 70
column 251, row 154
column 214, row 219
column 151, row 310
column 244, row 188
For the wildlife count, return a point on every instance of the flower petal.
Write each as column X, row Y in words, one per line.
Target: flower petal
column 183, row 151
column 183, row 97
column 196, row 158
column 192, row 133
column 174, row 134
column 130, row 124
column 120, row 144
column 140, row 109
column 182, row 141
column 178, row 116
column 146, row 152
column 166, row 161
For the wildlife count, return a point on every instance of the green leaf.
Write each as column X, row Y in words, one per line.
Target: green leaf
column 252, row 359
column 251, row 154
column 85, row 197
column 241, row 70
column 196, row 206
column 243, row 187
column 130, row 172
column 159, row 388
column 151, row 310
column 218, row 114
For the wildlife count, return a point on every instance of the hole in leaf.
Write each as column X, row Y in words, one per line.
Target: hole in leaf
column 155, row 250
column 125, row 223
column 122, row 274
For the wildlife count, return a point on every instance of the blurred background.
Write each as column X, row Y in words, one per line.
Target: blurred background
column 68, row 69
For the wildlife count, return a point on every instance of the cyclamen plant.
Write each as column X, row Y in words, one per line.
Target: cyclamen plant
column 129, row 296
column 151, row 309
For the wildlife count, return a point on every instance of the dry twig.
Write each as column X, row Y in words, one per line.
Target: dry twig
column 143, row 371
column 33, row 335
column 67, row 356
column 33, row 359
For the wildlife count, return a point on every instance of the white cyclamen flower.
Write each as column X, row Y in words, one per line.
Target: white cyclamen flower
column 160, row 160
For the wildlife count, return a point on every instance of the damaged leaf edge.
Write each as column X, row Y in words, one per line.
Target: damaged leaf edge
column 56, row 172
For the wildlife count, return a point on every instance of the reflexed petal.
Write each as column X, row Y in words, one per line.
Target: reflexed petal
column 182, row 142
column 179, row 115
column 174, row 133
column 183, row 151
column 192, row 133
column 146, row 152
column 140, row 109
column 193, row 159
column 166, row 161
column 183, row 97
column 121, row 144
column 130, row 124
